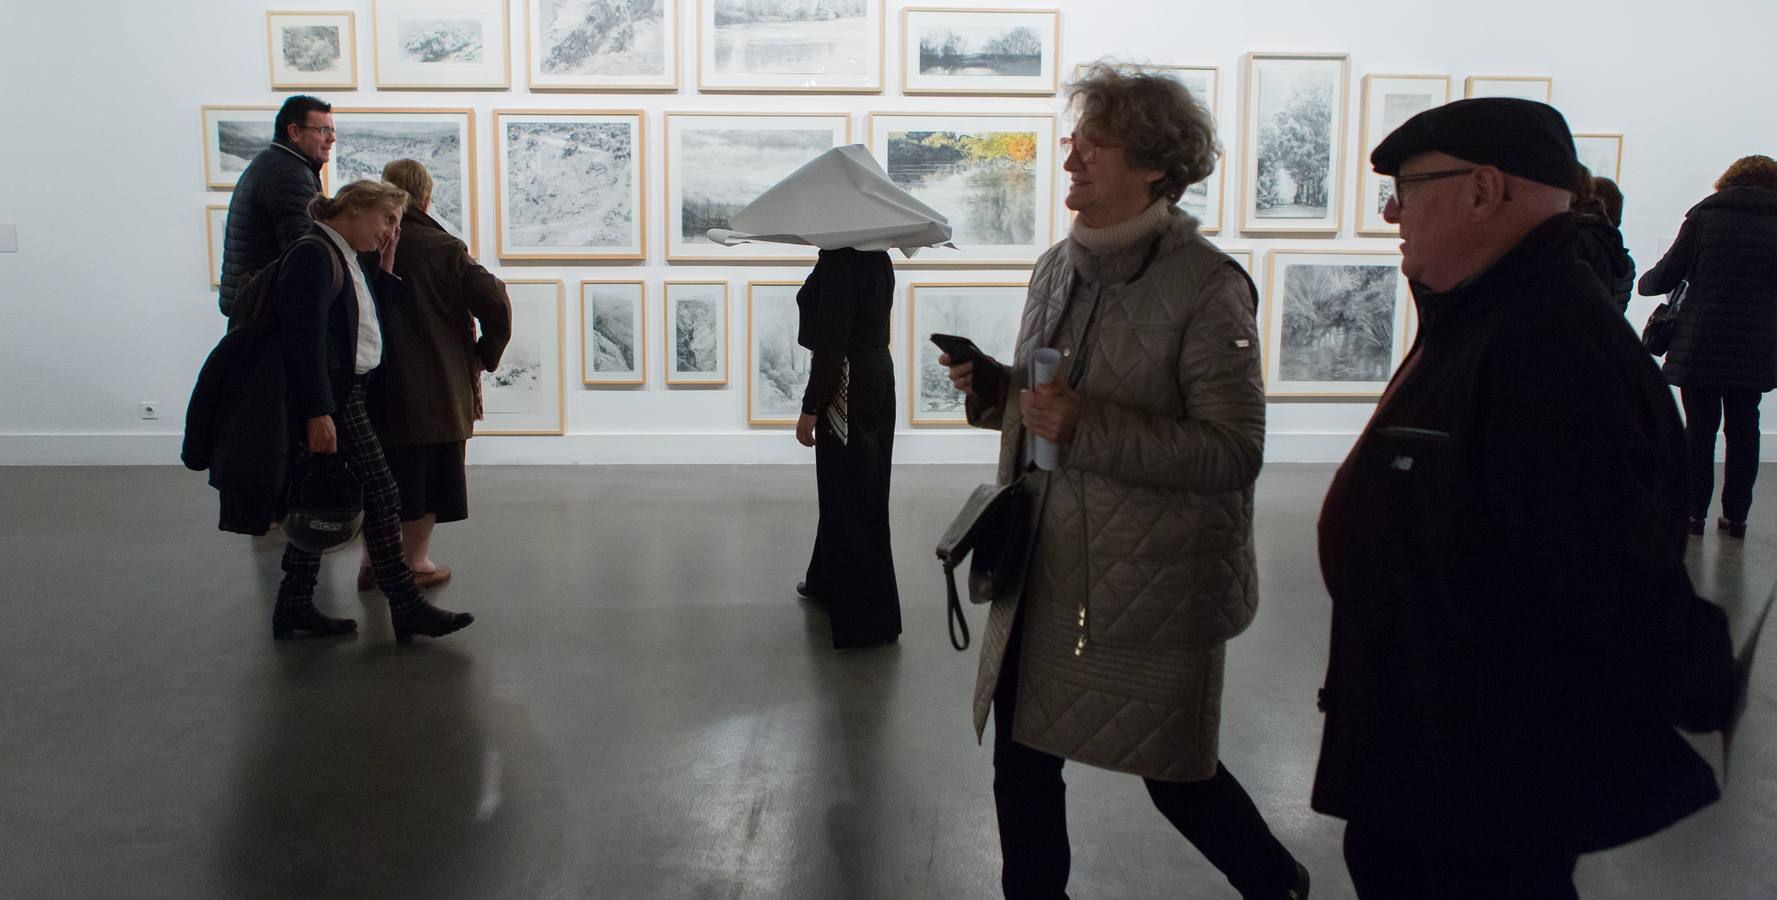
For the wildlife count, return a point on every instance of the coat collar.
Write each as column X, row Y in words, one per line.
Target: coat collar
column 1502, row 285
column 284, row 145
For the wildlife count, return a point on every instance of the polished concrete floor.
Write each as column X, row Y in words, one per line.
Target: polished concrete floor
column 642, row 709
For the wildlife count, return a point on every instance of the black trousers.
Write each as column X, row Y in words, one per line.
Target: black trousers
column 1029, row 796
column 1735, row 413
column 1389, row 864
column 852, row 567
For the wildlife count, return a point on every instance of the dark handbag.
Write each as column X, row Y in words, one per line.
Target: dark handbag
column 994, row 529
column 1662, row 323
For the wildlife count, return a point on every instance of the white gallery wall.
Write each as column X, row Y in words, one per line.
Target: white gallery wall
column 107, row 301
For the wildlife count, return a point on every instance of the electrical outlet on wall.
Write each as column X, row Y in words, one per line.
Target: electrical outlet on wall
column 150, row 409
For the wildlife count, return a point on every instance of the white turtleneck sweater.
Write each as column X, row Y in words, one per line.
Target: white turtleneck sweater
column 1115, row 237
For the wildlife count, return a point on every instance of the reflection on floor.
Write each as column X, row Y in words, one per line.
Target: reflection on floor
column 642, row 709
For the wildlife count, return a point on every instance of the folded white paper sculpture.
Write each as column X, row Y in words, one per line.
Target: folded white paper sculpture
column 841, row 198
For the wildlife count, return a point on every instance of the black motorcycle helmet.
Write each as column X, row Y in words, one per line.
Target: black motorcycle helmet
column 326, row 504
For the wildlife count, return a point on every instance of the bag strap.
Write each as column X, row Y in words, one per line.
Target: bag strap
column 957, row 620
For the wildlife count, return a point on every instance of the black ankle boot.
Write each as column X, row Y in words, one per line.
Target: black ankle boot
column 429, row 620
column 1735, row 529
column 287, row 620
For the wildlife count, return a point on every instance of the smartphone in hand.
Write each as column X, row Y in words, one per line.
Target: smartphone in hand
column 959, row 349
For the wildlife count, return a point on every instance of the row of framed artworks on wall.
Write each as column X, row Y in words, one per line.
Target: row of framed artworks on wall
column 1335, row 324
column 752, row 46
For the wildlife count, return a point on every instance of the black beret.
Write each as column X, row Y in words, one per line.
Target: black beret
column 1519, row 137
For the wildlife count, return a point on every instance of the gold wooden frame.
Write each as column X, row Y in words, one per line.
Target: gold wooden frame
column 1270, row 338
column 1054, row 48
column 641, row 376
column 505, row 47
column 215, row 249
column 668, row 331
column 472, row 200
column 753, row 369
column 561, row 410
column 704, row 87
column 1468, row 84
column 1616, row 173
column 641, row 163
column 1249, row 148
column 914, row 344
column 348, row 50
column 943, row 259
column 725, row 255
column 1367, row 142
column 673, row 45
column 204, row 111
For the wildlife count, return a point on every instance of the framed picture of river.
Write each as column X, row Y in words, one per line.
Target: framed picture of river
column 1601, row 154
column 613, row 333
column 790, row 46
column 442, row 139
column 430, row 45
column 524, row 395
column 1203, row 200
column 777, row 366
column 312, row 51
column 696, row 332
column 717, row 163
column 984, row 312
column 1389, row 101
column 1293, row 141
column 568, row 184
column 1523, row 87
column 991, row 174
column 602, row 45
column 979, row 51
column 1335, row 323
column 233, row 135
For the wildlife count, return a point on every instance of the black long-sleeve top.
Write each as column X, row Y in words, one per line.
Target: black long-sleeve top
column 843, row 308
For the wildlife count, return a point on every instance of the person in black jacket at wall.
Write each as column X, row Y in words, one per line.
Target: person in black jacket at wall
column 1514, row 635
column 1601, row 237
column 1724, row 353
column 268, row 210
column 332, row 341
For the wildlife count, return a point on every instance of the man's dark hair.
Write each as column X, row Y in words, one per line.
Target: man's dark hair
column 295, row 111
column 1610, row 197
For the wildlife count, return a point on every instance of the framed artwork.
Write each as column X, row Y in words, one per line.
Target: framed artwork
column 215, row 226
column 613, row 332
column 790, row 46
column 1335, row 323
column 524, row 395
column 569, row 184
column 979, row 51
column 1540, row 89
column 312, row 50
column 987, row 313
column 777, row 366
column 1203, row 200
column 991, row 174
column 1389, row 101
column 718, row 163
column 1293, row 143
column 696, row 332
column 1245, row 258
column 233, row 135
column 1601, row 153
column 602, row 45
column 442, row 139
column 440, row 44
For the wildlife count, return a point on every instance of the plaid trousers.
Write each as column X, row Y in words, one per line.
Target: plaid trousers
column 382, row 519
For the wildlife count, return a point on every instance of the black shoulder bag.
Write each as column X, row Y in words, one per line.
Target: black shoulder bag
column 1662, row 323
column 993, row 527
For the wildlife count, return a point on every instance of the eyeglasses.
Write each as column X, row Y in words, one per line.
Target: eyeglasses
column 324, row 129
column 1086, row 147
column 1401, row 181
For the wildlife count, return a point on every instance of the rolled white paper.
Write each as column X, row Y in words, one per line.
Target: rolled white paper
column 1043, row 364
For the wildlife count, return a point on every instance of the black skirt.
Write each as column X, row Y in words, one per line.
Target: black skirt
column 432, row 480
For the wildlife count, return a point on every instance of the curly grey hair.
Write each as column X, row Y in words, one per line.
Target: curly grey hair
column 1161, row 126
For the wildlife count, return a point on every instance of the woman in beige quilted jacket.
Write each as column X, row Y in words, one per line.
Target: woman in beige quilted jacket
column 1143, row 565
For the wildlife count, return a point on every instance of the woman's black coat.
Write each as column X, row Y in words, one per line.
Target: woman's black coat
column 319, row 322
column 1727, row 325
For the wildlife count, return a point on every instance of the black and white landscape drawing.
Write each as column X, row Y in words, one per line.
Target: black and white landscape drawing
column 1297, row 125
column 719, row 170
column 440, row 41
column 311, row 48
column 569, row 185
column 792, row 37
column 980, row 50
column 985, row 314
column 1339, row 322
column 240, row 140
column 602, row 37
column 613, row 336
column 779, row 368
column 697, row 335
column 1600, row 153
column 524, row 395
column 985, row 182
column 369, row 141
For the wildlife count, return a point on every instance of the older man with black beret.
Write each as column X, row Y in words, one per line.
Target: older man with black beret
column 1515, row 639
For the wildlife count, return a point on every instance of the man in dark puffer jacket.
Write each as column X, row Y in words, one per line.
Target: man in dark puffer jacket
column 269, row 209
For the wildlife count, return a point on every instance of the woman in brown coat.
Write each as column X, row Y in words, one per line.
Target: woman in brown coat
column 427, row 399
column 1143, row 564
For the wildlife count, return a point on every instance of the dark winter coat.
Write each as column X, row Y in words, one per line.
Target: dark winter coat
column 1601, row 249
column 238, row 426
column 319, row 323
column 1727, row 327
column 1514, row 634
column 432, row 361
column 267, row 213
